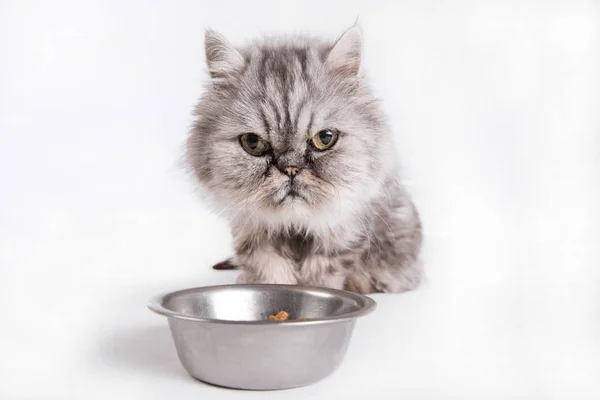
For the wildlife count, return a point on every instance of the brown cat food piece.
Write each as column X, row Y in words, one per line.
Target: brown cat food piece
column 280, row 316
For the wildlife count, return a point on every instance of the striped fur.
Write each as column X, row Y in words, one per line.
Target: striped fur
column 349, row 223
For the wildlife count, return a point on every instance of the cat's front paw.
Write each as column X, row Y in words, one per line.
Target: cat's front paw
column 250, row 278
column 358, row 283
column 245, row 278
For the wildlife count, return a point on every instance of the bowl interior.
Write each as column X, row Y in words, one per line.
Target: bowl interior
column 257, row 302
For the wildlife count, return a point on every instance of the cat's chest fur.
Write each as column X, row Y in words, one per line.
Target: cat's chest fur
column 294, row 246
column 299, row 246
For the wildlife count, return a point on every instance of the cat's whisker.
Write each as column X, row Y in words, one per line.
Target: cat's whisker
column 227, row 208
column 388, row 225
column 369, row 241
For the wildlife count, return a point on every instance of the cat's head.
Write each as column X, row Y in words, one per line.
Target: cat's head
column 288, row 134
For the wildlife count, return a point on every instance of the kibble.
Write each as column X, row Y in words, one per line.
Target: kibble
column 282, row 316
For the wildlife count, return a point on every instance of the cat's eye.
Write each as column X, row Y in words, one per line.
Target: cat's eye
column 254, row 144
column 324, row 139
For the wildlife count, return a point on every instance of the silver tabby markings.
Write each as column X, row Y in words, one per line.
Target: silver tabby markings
column 292, row 148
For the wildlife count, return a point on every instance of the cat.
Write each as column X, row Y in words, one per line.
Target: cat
column 291, row 146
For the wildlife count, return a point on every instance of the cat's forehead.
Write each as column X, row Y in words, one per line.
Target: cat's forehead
column 282, row 86
column 284, row 70
column 286, row 62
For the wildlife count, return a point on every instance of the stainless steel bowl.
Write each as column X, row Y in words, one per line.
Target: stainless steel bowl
column 223, row 336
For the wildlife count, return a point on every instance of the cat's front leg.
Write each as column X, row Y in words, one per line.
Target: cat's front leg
column 320, row 270
column 265, row 266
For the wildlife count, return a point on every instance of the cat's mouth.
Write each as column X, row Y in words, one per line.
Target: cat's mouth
column 290, row 194
column 293, row 193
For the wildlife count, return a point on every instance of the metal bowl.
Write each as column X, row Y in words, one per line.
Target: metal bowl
column 223, row 336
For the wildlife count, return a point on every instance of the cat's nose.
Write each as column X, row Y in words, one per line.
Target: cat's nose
column 291, row 171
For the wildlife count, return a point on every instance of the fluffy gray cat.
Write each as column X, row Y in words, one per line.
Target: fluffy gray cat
column 291, row 146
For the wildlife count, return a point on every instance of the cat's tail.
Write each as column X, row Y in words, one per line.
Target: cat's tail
column 225, row 265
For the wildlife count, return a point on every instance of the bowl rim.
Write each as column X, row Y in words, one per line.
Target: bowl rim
column 367, row 305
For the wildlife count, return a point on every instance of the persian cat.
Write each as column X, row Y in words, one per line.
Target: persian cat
column 291, row 146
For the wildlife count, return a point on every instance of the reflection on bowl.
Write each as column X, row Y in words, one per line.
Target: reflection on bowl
column 223, row 335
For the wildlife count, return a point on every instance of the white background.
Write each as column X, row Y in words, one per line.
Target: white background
column 495, row 107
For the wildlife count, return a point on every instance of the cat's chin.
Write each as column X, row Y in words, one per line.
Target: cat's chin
column 289, row 210
column 292, row 199
column 288, row 195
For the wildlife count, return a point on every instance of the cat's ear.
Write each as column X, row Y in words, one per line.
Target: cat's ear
column 222, row 58
column 344, row 56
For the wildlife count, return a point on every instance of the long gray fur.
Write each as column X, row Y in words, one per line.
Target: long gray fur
column 353, row 225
